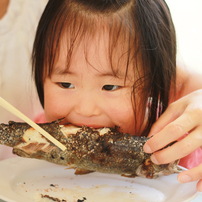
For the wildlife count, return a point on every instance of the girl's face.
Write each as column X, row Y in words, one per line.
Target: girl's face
column 88, row 93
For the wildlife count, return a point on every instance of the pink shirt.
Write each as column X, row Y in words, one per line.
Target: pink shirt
column 192, row 160
column 189, row 161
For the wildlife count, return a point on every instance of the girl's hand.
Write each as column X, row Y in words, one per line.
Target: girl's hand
column 183, row 116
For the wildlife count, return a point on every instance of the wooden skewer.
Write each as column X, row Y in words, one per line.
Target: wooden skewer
column 20, row 115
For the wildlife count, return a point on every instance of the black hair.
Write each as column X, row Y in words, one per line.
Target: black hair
column 151, row 44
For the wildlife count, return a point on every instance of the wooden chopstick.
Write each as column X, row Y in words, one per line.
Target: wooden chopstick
column 20, row 115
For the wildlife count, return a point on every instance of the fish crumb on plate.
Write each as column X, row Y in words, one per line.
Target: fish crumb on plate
column 48, row 198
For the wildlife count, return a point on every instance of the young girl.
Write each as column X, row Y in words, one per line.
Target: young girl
column 113, row 63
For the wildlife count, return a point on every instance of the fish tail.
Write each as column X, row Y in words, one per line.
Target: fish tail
column 11, row 134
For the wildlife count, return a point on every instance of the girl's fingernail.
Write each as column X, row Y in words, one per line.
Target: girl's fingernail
column 147, row 148
column 199, row 188
column 154, row 160
column 184, row 178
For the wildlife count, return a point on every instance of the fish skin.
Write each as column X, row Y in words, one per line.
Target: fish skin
column 88, row 149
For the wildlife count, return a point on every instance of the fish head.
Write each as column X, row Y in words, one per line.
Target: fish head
column 151, row 170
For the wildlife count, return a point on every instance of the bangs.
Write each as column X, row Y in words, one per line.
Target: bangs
column 70, row 30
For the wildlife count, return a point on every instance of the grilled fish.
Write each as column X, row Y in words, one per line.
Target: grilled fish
column 103, row 150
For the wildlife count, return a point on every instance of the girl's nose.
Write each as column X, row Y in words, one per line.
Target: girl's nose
column 87, row 106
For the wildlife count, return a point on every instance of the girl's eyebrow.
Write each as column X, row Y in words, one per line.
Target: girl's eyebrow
column 106, row 74
column 62, row 71
column 117, row 75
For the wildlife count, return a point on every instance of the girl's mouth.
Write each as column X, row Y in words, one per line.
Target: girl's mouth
column 95, row 126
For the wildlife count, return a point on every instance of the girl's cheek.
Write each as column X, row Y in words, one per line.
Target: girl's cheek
column 52, row 103
column 53, row 109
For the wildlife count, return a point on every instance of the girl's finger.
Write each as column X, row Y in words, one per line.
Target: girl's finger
column 180, row 149
column 172, row 132
column 192, row 174
column 199, row 185
column 173, row 111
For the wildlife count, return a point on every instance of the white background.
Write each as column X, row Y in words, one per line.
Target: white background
column 187, row 17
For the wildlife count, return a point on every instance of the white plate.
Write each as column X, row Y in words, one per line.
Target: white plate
column 24, row 180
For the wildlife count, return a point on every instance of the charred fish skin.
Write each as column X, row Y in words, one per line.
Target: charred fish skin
column 103, row 150
column 112, row 152
column 11, row 134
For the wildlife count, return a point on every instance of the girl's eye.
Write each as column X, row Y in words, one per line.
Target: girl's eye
column 110, row 87
column 66, row 85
